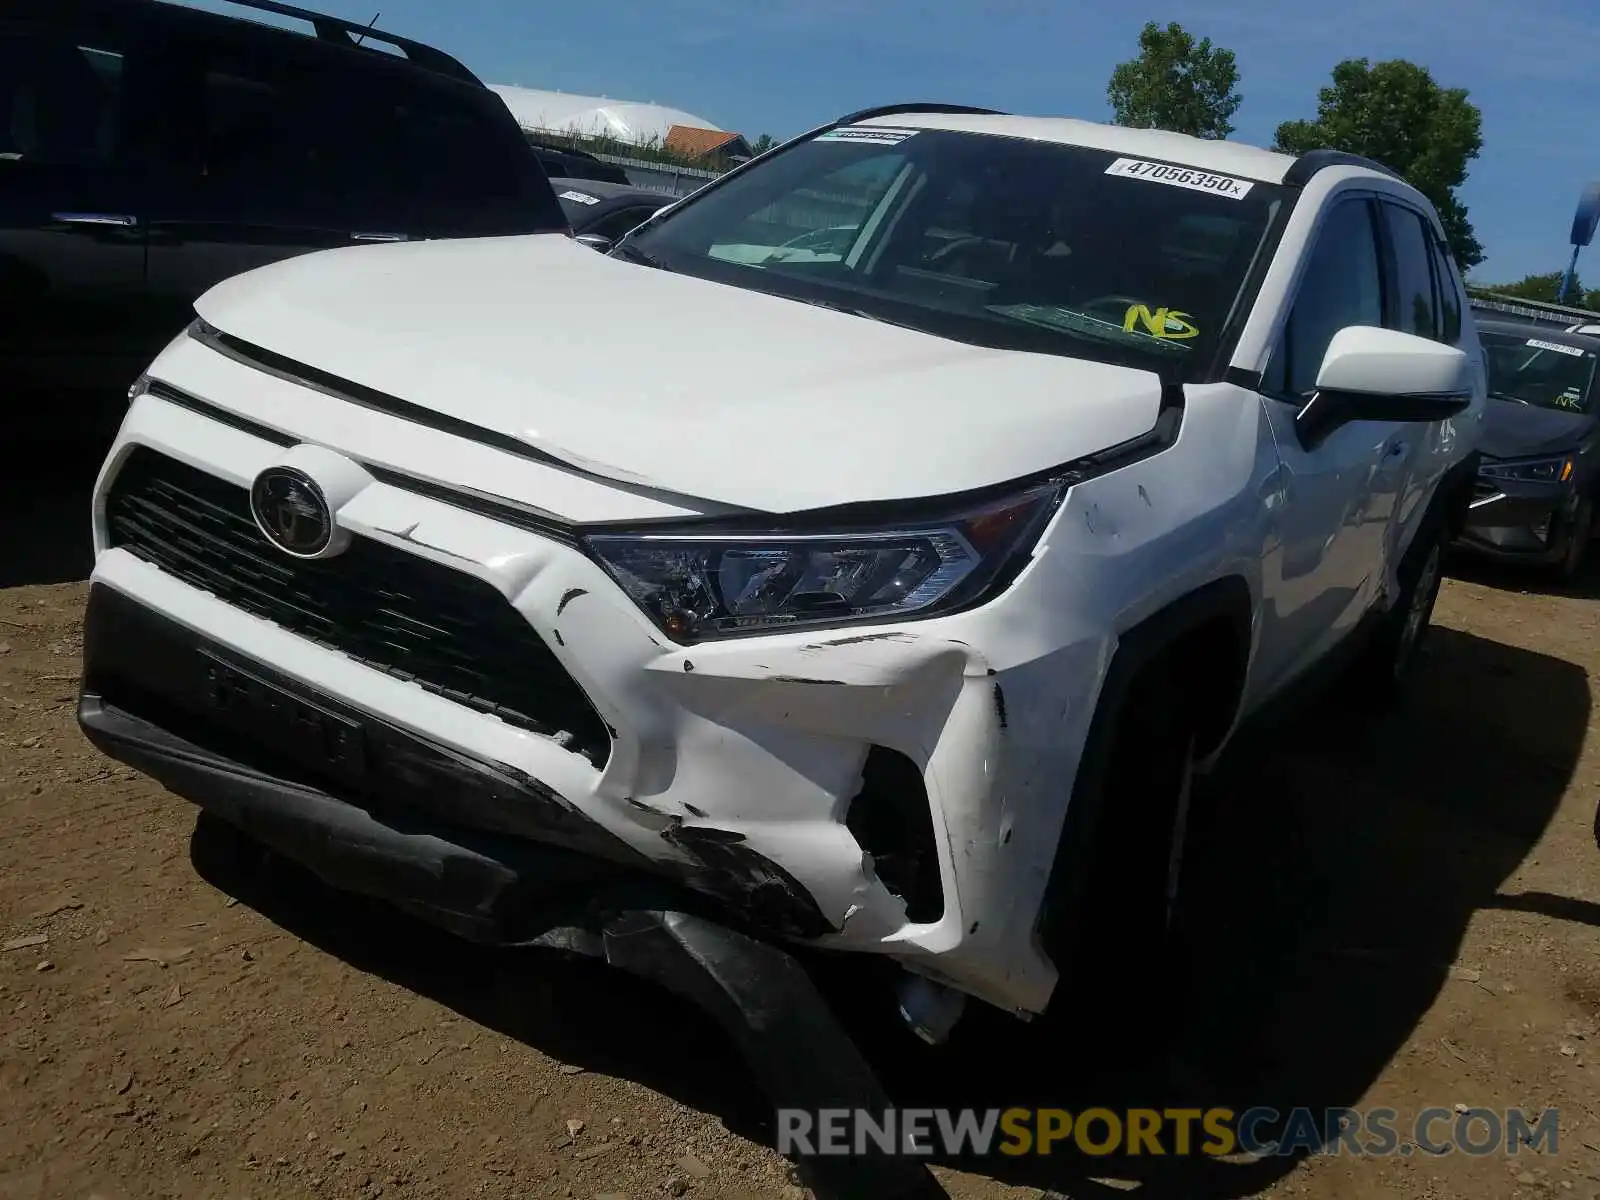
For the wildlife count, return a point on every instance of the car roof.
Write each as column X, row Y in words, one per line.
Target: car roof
column 1544, row 333
column 603, row 190
column 1223, row 157
column 324, row 33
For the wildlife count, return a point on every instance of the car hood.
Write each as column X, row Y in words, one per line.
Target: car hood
column 676, row 384
column 1512, row 430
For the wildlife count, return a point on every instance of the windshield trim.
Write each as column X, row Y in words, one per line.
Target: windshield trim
column 1206, row 368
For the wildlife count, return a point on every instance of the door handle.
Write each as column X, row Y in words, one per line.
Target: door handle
column 119, row 220
column 380, row 237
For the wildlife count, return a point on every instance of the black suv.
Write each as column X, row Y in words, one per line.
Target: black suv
column 1539, row 475
column 149, row 150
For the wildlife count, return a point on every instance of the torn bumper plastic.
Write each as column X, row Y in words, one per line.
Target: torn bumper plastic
column 897, row 790
column 588, row 896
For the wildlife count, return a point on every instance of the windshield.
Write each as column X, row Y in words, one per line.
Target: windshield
column 1545, row 374
column 998, row 241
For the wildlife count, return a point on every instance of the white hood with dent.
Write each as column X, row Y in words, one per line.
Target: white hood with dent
column 690, row 387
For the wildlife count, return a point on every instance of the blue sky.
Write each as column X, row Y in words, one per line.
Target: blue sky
column 1532, row 66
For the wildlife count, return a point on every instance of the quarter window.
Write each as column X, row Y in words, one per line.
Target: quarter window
column 1449, row 294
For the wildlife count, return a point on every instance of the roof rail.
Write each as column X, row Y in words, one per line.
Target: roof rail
column 350, row 33
column 889, row 110
column 1312, row 161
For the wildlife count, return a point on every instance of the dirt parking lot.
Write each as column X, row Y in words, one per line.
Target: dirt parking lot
column 1396, row 909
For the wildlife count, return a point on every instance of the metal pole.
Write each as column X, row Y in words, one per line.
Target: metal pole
column 1566, row 280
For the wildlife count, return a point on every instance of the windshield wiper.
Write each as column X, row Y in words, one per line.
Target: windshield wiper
column 1075, row 324
column 852, row 310
column 628, row 250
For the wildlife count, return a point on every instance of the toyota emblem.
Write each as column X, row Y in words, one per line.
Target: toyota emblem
column 291, row 512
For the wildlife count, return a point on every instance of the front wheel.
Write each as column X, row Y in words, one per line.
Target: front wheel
column 1579, row 532
column 1122, row 950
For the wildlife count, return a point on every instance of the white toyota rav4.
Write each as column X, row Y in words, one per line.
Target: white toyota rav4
column 883, row 595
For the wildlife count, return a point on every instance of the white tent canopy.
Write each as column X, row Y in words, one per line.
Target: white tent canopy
column 594, row 116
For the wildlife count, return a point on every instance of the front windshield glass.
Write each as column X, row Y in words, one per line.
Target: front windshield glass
column 998, row 241
column 1536, row 371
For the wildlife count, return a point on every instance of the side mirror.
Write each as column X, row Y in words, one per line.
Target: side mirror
column 1371, row 374
column 595, row 241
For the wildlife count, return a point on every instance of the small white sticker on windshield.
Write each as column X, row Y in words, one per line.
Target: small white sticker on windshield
column 580, row 197
column 1184, row 177
column 1556, row 346
column 877, row 135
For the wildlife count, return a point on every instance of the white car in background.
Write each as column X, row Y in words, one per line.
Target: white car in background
column 885, row 600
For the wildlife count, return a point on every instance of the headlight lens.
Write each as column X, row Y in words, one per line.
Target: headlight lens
column 700, row 586
column 1529, row 470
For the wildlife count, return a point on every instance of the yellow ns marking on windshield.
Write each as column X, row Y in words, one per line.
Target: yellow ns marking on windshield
column 1162, row 323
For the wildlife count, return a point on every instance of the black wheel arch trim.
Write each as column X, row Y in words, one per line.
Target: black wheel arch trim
column 1226, row 599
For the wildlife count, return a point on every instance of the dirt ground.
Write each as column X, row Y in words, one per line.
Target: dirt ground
column 1396, row 909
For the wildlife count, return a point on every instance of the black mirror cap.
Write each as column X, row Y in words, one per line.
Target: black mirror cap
column 1327, row 411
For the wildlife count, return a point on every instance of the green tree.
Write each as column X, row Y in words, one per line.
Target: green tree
column 763, row 143
column 1176, row 83
column 1394, row 112
column 1545, row 287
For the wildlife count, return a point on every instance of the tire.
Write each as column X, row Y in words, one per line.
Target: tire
column 1386, row 662
column 1579, row 533
column 1122, row 959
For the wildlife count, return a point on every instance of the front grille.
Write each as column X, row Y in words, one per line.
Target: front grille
column 448, row 632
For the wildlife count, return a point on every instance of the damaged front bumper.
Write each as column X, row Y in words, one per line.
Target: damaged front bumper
column 410, row 847
column 894, row 791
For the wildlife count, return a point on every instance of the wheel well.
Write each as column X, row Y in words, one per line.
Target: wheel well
column 1209, row 668
column 1203, row 641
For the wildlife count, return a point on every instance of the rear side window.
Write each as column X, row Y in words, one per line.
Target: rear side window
column 60, row 102
column 1412, row 248
column 305, row 139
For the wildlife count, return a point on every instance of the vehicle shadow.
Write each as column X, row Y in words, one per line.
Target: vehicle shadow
column 45, row 493
column 1330, row 895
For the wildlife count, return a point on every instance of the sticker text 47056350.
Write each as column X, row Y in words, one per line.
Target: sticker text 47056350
column 1184, row 177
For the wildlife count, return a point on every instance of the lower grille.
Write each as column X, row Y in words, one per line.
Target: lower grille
column 448, row 632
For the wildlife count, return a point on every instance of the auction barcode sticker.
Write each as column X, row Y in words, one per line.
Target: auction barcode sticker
column 1184, row 177
column 1556, row 346
column 877, row 135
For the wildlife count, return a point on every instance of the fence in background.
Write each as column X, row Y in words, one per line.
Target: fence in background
column 660, row 176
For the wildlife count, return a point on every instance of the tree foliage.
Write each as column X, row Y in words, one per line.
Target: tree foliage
column 1176, row 83
column 763, row 143
column 1394, row 112
column 1546, row 287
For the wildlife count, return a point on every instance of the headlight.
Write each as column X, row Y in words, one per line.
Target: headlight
column 1529, row 470
column 697, row 586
